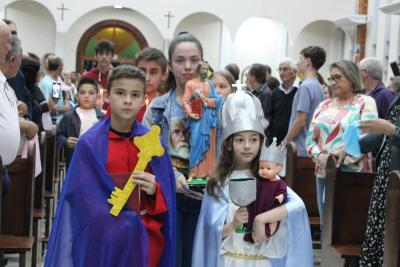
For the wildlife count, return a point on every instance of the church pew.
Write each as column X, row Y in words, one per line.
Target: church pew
column 347, row 198
column 38, row 211
column 16, row 226
column 391, row 256
column 300, row 176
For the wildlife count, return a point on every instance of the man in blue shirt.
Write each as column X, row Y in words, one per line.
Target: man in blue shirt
column 307, row 98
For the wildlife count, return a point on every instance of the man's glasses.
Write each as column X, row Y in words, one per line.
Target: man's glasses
column 335, row 78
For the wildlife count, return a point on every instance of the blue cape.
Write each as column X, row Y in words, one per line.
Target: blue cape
column 84, row 233
column 213, row 214
column 200, row 129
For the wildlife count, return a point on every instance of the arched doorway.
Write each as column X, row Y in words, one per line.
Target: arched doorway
column 128, row 41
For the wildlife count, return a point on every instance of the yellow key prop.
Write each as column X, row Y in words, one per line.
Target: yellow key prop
column 149, row 145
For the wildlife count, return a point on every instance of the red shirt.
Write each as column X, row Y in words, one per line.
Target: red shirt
column 122, row 158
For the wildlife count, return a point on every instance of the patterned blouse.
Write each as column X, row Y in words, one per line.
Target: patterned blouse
column 328, row 125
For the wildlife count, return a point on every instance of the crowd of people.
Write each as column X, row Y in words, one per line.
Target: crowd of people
column 212, row 130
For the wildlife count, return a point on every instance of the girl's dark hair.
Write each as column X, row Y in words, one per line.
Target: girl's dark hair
column 226, row 165
column 30, row 68
column 180, row 38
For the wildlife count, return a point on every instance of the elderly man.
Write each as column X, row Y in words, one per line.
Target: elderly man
column 371, row 73
column 17, row 82
column 10, row 124
column 278, row 113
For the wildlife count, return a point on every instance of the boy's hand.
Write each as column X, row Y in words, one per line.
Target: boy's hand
column 241, row 217
column 71, row 142
column 258, row 233
column 147, row 182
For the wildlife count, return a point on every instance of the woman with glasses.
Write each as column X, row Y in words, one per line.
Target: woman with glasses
column 332, row 117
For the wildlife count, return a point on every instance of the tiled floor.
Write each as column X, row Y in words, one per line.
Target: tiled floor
column 13, row 259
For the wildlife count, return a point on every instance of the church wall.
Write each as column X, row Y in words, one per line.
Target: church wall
column 35, row 25
column 260, row 40
column 317, row 33
column 77, row 30
column 207, row 28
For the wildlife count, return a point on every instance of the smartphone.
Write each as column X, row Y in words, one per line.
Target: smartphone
column 395, row 68
column 56, row 91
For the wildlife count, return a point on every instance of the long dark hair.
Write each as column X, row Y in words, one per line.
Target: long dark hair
column 226, row 165
column 180, row 38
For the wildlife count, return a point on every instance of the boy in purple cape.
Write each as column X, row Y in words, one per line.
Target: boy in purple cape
column 271, row 190
column 84, row 232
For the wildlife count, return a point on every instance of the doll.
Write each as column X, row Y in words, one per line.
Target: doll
column 271, row 190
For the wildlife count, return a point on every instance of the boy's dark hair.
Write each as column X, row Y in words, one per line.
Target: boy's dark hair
column 105, row 46
column 86, row 80
column 234, row 70
column 268, row 70
column 316, row 54
column 152, row 54
column 273, row 83
column 128, row 72
column 259, row 72
column 54, row 63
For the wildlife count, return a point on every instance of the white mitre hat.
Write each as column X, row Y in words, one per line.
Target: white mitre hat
column 241, row 111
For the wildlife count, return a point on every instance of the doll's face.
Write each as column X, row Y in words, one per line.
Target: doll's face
column 269, row 170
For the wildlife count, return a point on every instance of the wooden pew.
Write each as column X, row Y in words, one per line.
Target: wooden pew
column 300, row 176
column 38, row 211
column 347, row 198
column 18, row 208
column 391, row 256
column 50, row 193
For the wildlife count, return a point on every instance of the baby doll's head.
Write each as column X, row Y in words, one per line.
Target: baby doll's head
column 271, row 160
column 269, row 169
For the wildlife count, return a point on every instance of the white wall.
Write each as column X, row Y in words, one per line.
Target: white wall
column 260, row 40
column 75, row 33
column 207, row 28
column 35, row 25
column 317, row 33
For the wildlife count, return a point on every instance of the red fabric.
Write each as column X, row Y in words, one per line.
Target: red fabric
column 122, row 157
column 94, row 74
column 139, row 116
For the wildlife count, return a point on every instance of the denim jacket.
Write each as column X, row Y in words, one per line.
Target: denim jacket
column 160, row 113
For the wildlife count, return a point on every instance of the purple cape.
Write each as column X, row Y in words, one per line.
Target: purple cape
column 84, row 233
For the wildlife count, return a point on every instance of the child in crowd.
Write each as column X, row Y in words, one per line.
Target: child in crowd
column 185, row 52
column 84, row 232
column 155, row 65
column 223, row 81
column 77, row 121
column 217, row 243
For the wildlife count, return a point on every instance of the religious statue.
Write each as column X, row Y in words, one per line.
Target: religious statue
column 201, row 104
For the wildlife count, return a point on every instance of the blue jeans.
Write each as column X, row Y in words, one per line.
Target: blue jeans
column 187, row 213
column 320, row 182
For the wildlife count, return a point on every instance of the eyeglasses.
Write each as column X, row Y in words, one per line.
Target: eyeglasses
column 335, row 78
